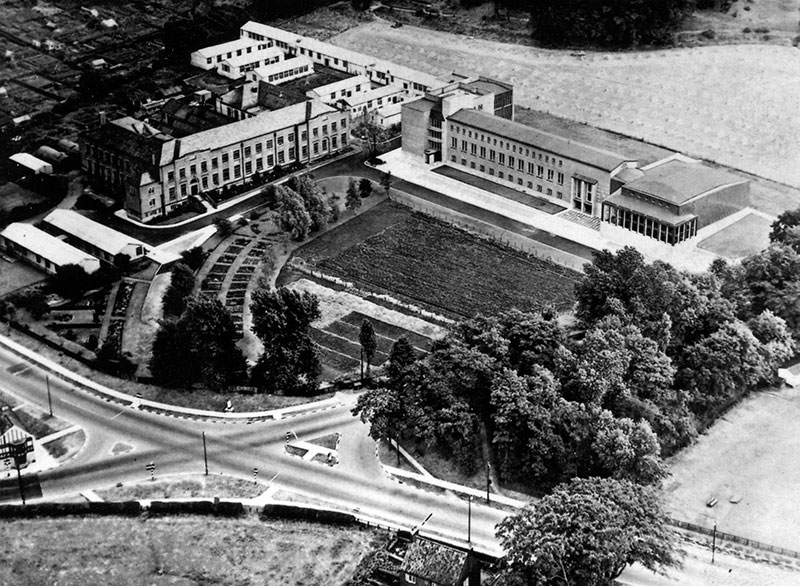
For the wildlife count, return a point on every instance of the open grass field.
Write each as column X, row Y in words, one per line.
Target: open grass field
column 178, row 551
column 732, row 104
column 752, row 452
column 449, row 271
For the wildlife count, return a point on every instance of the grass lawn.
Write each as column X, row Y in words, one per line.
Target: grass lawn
column 447, row 270
column 742, row 238
column 183, row 487
column 16, row 274
column 527, row 199
column 182, row 550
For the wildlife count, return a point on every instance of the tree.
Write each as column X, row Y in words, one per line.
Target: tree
column 369, row 344
column 773, row 279
column 386, row 181
column 70, row 281
column 200, row 346
column 401, row 357
column 224, row 227
column 352, row 200
column 629, row 450
column 281, row 320
column 365, row 188
column 313, row 201
column 784, row 229
column 373, row 134
column 292, row 214
column 181, row 287
column 194, row 257
column 586, row 533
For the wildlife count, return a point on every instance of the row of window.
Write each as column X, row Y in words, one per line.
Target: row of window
column 649, row 227
column 511, row 161
column 506, row 145
column 238, row 52
column 296, row 71
column 500, row 174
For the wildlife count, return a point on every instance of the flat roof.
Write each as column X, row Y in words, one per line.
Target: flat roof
column 341, row 84
column 94, row 233
column 657, row 212
column 290, row 63
column 677, row 181
column 227, row 47
column 539, row 139
column 47, row 246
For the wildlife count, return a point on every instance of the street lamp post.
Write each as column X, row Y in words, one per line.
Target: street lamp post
column 205, row 452
column 488, row 480
column 714, row 541
column 469, row 521
column 49, row 399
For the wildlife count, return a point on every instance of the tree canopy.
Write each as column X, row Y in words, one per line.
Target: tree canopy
column 281, row 320
column 587, row 532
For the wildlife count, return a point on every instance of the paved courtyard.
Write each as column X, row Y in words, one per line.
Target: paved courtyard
column 732, row 104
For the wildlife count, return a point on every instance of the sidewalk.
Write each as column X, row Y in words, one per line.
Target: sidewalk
column 413, row 170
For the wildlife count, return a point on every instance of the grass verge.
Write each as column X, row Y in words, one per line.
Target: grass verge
column 194, row 487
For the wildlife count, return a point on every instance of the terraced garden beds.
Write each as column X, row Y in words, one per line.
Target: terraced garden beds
column 450, row 271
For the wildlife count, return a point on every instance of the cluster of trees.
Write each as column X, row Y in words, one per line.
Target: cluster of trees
column 605, row 23
column 659, row 353
column 303, row 207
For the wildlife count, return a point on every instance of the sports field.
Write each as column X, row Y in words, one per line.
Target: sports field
column 733, row 104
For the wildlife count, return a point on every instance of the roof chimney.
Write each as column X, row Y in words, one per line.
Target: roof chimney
column 103, row 118
column 308, row 110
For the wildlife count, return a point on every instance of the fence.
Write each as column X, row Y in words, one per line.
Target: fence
column 495, row 233
column 734, row 538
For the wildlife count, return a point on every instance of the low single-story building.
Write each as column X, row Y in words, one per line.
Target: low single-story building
column 428, row 563
column 27, row 162
column 44, row 250
column 101, row 241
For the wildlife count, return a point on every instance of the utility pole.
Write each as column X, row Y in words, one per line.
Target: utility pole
column 714, row 541
column 205, row 452
column 49, row 399
column 19, row 480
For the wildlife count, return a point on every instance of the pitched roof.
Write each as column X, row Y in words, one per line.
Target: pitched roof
column 96, row 234
column 124, row 136
column 539, row 139
column 677, row 181
column 228, row 47
column 435, row 562
column 49, row 247
column 252, row 57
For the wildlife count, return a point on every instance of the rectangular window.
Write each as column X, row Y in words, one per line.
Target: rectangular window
column 270, row 161
column 550, row 175
column 182, row 173
column 215, row 178
column 520, row 165
column 454, row 142
column 316, row 148
column 258, row 147
column 491, row 154
column 334, row 142
column 501, row 158
column 214, row 164
column 281, row 158
column 193, row 169
column 530, row 184
column 491, row 170
column 304, row 151
column 236, row 155
column 333, row 126
column 560, row 178
column 171, row 194
column 473, row 149
column 183, row 189
column 453, row 158
column 291, row 153
column 315, row 131
column 204, row 167
column 204, row 181
column 500, row 174
column 463, row 146
column 224, row 158
column 531, row 168
column 237, row 171
column 170, row 175
column 269, row 144
column 280, row 140
column 226, row 174
column 511, row 162
column 259, row 164
column 248, row 167
column 344, row 138
column 247, row 151
column 483, row 152
column 344, row 122
column 539, row 171
column 324, row 129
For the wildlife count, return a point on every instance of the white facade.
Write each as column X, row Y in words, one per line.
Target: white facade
column 210, row 57
column 381, row 103
column 342, row 89
column 32, row 163
column 283, row 71
column 236, row 67
column 43, row 250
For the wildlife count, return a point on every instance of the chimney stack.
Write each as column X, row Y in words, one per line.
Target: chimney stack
column 103, row 118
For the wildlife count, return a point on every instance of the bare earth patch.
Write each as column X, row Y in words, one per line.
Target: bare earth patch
column 730, row 104
column 179, row 551
column 753, row 452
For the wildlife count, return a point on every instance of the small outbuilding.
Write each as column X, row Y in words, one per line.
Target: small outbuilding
column 428, row 563
column 27, row 162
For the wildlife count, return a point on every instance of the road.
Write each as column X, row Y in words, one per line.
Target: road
column 121, row 440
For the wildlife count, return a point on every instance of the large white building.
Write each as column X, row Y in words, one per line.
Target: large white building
column 98, row 240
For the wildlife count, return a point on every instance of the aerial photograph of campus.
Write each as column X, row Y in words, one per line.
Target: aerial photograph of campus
column 400, row 292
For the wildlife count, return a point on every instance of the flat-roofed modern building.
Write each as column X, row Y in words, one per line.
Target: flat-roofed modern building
column 239, row 66
column 283, row 71
column 98, row 240
column 530, row 160
column 671, row 200
column 210, row 57
column 44, row 250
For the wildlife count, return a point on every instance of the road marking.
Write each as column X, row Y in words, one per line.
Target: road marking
column 117, row 415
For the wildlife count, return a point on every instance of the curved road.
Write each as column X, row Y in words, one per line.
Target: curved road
column 120, row 440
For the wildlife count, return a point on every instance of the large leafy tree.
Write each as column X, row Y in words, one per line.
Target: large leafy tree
column 352, row 201
column 293, row 216
column 314, row 202
column 199, row 347
column 773, row 279
column 369, row 343
column 281, row 320
column 180, row 289
column 587, row 532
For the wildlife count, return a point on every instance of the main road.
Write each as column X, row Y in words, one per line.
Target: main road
column 121, row 440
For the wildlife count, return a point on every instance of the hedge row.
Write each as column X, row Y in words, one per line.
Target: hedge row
column 303, row 514
column 125, row 508
column 218, row 509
